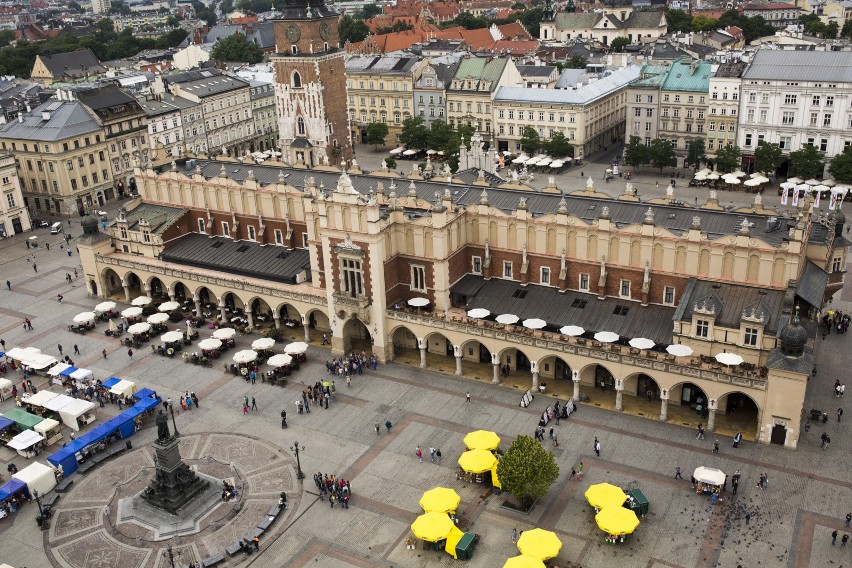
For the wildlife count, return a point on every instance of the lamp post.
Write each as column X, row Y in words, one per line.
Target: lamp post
column 295, row 448
column 37, row 497
column 170, row 553
column 172, row 412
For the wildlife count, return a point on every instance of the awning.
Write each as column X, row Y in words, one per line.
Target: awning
column 812, row 284
column 5, row 423
column 110, row 382
column 24, row 420
column 58, row 403
column 144, row 393
column 25, row 439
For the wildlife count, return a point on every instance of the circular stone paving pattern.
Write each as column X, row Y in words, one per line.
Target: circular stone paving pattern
column 84, row 534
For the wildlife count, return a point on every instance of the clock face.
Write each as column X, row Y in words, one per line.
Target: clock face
column 324, row 30
column 293, row 33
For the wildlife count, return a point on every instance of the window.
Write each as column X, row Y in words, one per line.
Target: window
column 787, row 118
column 146, row 237
column 252, row 234
column 297, row 80
column 702, row 328
column 352, row 277
column 10, row 199
column 785, row 143
column 823, row 145
column 625, row 288
column 584, row 282
column 476, row 263
column 226, row 229
column 829, row 101
column 814, row 118
column 545, row 275
column 418, row 278
column 507, row 269
column 305, row 238
column 763, row 117
column 638, row 112
column 837, row 264
column 669, row 295
column 621, row 310
column 789, row 99
column 279, row 237
column 202, row 226
column 826, row 120
column 750, row 335
column 748, row 138
column 752, row 97
column 815, row 100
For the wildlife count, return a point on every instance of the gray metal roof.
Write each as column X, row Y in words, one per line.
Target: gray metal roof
column 536, row 70
column 206, row 82
column 68, row 119
column 245, row 258
column 677, row 219
column 812, row 284
column 563, row 308
column 169, row 104
column 381, row 65
column 78, row 63
column 159, row 217
column 581, row 95
column 784, row 65
column 731, row 302
column 262, row 34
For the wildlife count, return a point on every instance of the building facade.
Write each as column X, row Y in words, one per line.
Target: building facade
column 430, row 89
column 14, row 216
column 165, row 114
column 779, row 15
column 637, row 26
column 265, row 119
column 470, row 95
column 683, row 103
column 723, row 106
column 643, row 103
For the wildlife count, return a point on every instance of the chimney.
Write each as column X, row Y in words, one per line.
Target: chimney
column 45, row 115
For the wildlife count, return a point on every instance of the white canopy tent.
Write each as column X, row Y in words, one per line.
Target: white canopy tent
column 158, row 318
column 105, row 307
column 57, row 369
column 5, row 388
column 59, row 402
column 210, row 343
column 123, row 388
column 24, row 441
column 41, row 398
column 171, row 337
column 141, row 327
column 37, row 477
column 82, row 375
column 141, row 301
column 245, row 356
column 76, row 411
column 50, row 429
column 709, row 475
column 280, row 360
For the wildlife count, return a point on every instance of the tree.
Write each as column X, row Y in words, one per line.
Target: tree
column 530, row 141
column 352, row 30
column 527, row 470
column 728, row 159
column 576, row 62
column 846, row 32
column 695, row 153
column 704, row 23
column 376, row 133
column 841, row 166
column 237, row 47
column 559, row 146
column 635, row 152
column 367, row 11
column 470, row 22
column 767, row 157
column 807, row 162
column 678, row 21
column 618, row 44
column 662, row 154
column 832, row 29
column 441, row 136
column 414, row 134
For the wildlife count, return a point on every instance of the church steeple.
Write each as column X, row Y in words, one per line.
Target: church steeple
column 570, row 7
column 547, row 14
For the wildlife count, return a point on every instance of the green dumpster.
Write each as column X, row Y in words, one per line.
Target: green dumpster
column 464, row 548
column 638, row 502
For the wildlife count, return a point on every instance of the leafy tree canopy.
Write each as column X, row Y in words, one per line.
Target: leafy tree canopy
column 704, row 23
column 728, row 159
column 678, row 21
column 768, row 157
column 635, row 152
column 377, row 132
column 527, row 470
column 352, row 30
column 695, row 153
column 368, row 11
column 662, row 154
column 841, row 166
column 237, row 47
column 618, row 44
column 576, row 62
column 530, row 141
column 559, row 146
column 807, row 162
column 414, row 135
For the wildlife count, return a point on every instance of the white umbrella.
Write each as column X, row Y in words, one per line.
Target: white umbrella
column 141, row 301
column 171, row 337
column 209, row 344
column 105, row 307
column 224, row 333
column 712, row 176
column 732, row 181
column 84, row 317
column 761, row 179
column 521, row 160
column 168, row 306
column 729, row 358
column 296, row 348
column 245, row 356
column 803, row 187
column 572, row 330
column 829, row 182
column 158, row 318
column 534, row 323
column 557, row 164
column 533, row 161
column 396, row 151
column 606, row 336
column 739, row 174
column 820, row 188
column 700, row 176
column 280, row 360
column 507, row 319
column 788, row 185
column 709, row 475
column 409, row 152
column 430, row 152
column 641, row 343
column 263, row 343
column 139, row 328
column 132, row 312
column 478, row 313
column 544, row 161
column 812, row 181
column 679, row 350
column 795, row 180
column 752, row 182
column 418, row 302
column 704, row 171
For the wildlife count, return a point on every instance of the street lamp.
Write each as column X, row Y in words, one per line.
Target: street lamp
column 172, row 412
column 295, row 448
column 170, row 553
column 37, row 497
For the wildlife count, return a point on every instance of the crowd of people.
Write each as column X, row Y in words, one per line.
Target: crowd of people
column 337, row 490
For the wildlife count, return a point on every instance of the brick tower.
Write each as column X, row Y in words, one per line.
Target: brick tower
column 310, row 85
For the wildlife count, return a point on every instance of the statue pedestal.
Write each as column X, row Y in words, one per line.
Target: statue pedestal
column 174, row 485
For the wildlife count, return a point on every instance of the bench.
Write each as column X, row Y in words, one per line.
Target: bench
column 64, row 484
column 233, row 549
column 273, row 511
column 50, row 500
column 255, row 532
column 86, row 466
column 213, row 560
column 266, row 523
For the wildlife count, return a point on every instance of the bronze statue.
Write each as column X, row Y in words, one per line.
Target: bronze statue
column 162, row 426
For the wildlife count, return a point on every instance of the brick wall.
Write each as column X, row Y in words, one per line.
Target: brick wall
column 334, row 277
column 398, row 279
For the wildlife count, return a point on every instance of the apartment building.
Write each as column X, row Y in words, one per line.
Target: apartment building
column 683, row 103
column 165, row 114
column 643, row 103
column 430, row 89
column 471, row 93
column 14, row 216
column 263, row 112
column 722, row 114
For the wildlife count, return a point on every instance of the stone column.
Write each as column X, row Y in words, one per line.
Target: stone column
column 222, row 312
column 458, row 353
column 534, row 370
column 619, row 391
column 664, row 405
column 277, row 319
column 575, row 378
column 421, row 344
column 198, row 307
column 250, row 317
column 307, row 332
column 147, row 288
column 126, row 287
column 711, row 415
column 171, row 296
column 495, row 362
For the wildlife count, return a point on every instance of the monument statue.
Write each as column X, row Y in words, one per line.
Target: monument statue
column 162, row 426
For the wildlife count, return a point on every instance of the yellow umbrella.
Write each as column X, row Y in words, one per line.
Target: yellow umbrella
column 603, row 495
column 440, row 500
column 616, row 520
column 524, row 562
column 482, row 440
column 539, row 543
column 432, row 527
column 477, row 461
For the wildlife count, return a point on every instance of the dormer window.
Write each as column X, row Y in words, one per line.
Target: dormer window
column 123, row 233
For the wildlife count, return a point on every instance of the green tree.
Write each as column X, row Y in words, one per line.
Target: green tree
column 807, row 162
column 813, row 24
column 368, row 11
column 470, row 22
column 464, row 133
column 226, row 6
column 202, row 12
column 618, row 44
column 559, row 146
column 352, row 30
column 172, row 39
column 841, row 166
column 75, row 7
column 662, row 154
column 678, row 21
column 6, row 37
column 767, row 157
column 414, row 134
column 530, row 141
column 695, row 153
column 527, row 470
column 704, row 23
column 635, row 152
column 377, row 132
column 441, row 136
column 237, row 47
column 576, row 62
column 728, row 159
column 832, row 29
column 846, row 32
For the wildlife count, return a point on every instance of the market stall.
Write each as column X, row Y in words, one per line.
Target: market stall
column 123, row 388
column 482, row 440
column 6, row 430
column 110, row 382
column 603, row 495
column 5, row 388
column 83, row 376
column 439, row 529
column 26, row 443
column 37, row 477
column 616, row 522
column 440, row 500
column 77, row 413
column 57, row 403
column 12, row 495
column 23, row 420
column 41, row 398
column 540, row 544
column 144, row 393
column 51, row 430
column 708, row 480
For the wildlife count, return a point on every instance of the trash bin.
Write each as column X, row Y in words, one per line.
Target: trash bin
column 639, row 504
column 464, row 548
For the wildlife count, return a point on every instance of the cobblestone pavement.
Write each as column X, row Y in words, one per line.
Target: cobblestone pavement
column 791, row 521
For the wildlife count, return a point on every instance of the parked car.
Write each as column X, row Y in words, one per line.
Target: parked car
column 41, row 223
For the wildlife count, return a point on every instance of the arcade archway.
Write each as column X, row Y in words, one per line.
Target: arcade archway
column 158, row 290
column 180, row 292
column 738, row 412
column 112, row 287
column 356, row 337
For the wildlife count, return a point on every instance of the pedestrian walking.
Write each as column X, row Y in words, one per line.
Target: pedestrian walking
column 324, row 339
column 716, row 447
column 194, row 398
column 130, row 353
column 245, row 400
column 597, row 448
column 3, row 344
column 848, row 519
column 104, row 353
column 700, row 435
column 580, row 471
column 432, row 454
column 747, row 518
column 388, row 425
column 377, row 428
column 467, row 395
column 834, row 537
column 59, row 346
column 245, row 410
column 35, row 268
column 678, row 473
column 550, row 434
column 555, row 440
column 9, row 285
column 737, row 439
column 438, row 456
column 419, row 453
column 844, row 540
column 839, row 414
column 573, row 473
column 253, row 404
column 76, row 349
column 515, row 535
column 29, row 324
column 827, row 442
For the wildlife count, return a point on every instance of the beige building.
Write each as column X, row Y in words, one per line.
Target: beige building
column 263, row 112
column 470, row 95
column 14, row 217
column 165, row 114
column 683, row 103
column 723, row 106
column 62, row 158
column 591, row 116
column 72, row 67
column 641, row 26
column 643, row 103
column 326, row 253
column 839, row 12
column 381, row 89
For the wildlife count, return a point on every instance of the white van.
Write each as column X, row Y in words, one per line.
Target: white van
column 56, row 228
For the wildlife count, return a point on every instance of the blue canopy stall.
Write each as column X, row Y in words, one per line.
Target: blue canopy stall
column 145, row 393
column 5, row 423
column 146, row 404
column 110, row 382
column 67, row 372
column 13, row 486
column 66, row 456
